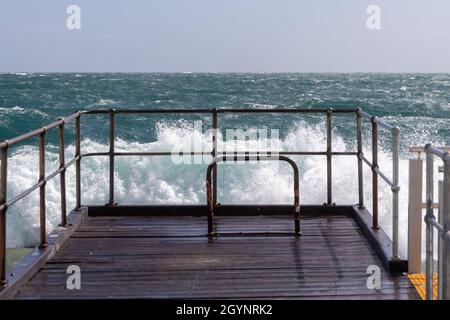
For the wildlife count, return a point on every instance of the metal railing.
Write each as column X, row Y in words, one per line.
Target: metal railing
column 211, row 186
column 442, row 227
column 5, row 203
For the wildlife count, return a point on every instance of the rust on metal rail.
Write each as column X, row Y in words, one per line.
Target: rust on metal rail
column 211, row 186
column 6, row 202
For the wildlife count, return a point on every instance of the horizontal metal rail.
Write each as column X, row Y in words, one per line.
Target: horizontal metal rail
column 420, row 150
column 230, row 153
column 443, row 228
column 38, row 185
column 442, row 232
column 5, row 203
column 378, row 171
column 377, row 120
column 210, row 186
column 36, row 133
column 222, row 110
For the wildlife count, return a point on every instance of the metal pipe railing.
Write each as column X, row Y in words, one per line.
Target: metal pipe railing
column 210, row 186
column 360, row 160
column 37, row 132
column 42, row 211
column 3, row 193
column 222, row 110
column 41, row 184
column 78, row 163
column 395, row 188
column 63, row 166
column 329, row 157
column 443, row 228
column 374, row 173
column 168, row 153
column 214, row 152
column 377, row 123
column 429, row 237
column 112, row 137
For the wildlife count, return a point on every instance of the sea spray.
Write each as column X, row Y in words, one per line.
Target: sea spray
column 158, row 180
column 28, row 101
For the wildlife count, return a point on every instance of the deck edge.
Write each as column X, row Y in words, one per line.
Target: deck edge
column 202, row 210
column 31, row 263
column 380, row 241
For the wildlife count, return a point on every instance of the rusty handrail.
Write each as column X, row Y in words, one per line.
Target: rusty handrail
column 211, row 187
column 111, row 153
column 376, row 172
column 41, row 184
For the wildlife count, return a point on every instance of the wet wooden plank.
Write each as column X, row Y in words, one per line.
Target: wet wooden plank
column 170, row 257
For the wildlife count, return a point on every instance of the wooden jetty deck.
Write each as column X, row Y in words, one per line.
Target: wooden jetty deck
column 212, row 250
column 254, row 256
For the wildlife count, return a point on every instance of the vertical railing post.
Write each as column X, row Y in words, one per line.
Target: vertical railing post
column 62, row 175
column 429, row 227
column 42, row 212
column 78, row 162
column 395, row 190
column 446, row 225
column 3, row 195
column 214, row 155
column 374, row 173
column 360, row 161
column 112, row 113
column 209, row 198
column 329, row 157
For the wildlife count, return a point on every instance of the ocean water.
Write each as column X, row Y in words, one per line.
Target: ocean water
column 419, row 104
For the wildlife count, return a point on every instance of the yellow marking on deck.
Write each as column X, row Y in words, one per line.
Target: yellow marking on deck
column 418, row 280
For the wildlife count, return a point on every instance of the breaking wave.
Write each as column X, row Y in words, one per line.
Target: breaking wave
column 158, row 180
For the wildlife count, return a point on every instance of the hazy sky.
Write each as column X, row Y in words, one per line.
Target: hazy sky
column 225, row 36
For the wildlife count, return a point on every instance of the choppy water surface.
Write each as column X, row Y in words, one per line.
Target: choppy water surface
column 419, row 104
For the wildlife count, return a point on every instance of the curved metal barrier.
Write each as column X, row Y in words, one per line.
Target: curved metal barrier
column 210, row 187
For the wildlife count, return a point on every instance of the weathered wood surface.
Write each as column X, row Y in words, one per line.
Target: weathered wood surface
column 170, row 257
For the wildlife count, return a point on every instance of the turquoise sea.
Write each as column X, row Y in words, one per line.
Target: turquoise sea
column 419, row 104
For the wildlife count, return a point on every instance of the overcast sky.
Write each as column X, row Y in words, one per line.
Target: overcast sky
column 225, row 36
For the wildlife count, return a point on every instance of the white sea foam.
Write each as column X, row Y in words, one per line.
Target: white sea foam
column 106, row 102
column 15, row 109
column 261, row 106
column 156, row 180
column 19, row 111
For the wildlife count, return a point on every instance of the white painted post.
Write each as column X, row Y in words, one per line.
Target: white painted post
column 415, row 216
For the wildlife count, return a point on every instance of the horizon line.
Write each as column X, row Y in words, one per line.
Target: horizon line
column 225, row 72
